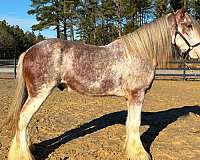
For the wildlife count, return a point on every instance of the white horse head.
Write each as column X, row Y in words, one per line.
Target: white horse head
column 186, row 34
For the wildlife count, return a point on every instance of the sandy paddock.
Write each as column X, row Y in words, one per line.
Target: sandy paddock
column 70, row 126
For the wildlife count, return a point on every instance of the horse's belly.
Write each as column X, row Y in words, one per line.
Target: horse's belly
column 98, row 87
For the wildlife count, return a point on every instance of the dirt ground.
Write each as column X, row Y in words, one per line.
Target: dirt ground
column 70, row 126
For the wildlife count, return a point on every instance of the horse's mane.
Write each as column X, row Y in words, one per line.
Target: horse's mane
column 151, row 41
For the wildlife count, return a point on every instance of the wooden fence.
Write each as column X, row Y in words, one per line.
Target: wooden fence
column 184, row 70
column 8, row 62
column 8, row 68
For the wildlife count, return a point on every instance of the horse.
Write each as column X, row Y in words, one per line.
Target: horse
column 124, row 67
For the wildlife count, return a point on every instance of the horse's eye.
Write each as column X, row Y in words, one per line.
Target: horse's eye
column 189, row 26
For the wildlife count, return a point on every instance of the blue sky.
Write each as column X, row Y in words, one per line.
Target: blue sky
column 15, row 13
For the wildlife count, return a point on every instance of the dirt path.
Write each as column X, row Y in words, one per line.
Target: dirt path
column 77, row 127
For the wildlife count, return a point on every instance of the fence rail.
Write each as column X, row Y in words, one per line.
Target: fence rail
column 6, row 62
column 186, row 71
column 9, row 66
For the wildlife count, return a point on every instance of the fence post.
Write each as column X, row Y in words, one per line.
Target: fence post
column 184, row 70
column 15, row 63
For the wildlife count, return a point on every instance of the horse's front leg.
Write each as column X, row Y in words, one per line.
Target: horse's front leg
column 134, row 147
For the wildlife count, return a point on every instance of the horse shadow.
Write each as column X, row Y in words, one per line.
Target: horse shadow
column 157, row 121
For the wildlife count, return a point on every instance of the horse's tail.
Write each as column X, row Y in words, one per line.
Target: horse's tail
column 19, row 98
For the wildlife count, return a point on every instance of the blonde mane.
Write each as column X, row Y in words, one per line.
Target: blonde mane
column 152, row 41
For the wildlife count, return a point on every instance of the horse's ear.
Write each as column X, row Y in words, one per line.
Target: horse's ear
column 180, row 15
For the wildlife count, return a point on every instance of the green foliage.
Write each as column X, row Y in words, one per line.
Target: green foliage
column 45, row 14
column 13, row 37
column 101, row 21
column 177, row 4
column 194, row 7
column 161, row 8
column 6, row 39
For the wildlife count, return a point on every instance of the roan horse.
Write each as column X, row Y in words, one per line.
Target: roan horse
column 124, row 67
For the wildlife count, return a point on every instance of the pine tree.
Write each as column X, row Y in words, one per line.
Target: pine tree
column 194, row 8
column 161, row 8
column 14, row 38
column 6, row 38
column 47, row 14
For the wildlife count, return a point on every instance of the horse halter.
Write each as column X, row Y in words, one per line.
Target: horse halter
column 191, row 47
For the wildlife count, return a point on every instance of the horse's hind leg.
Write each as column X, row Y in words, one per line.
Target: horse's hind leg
column 19, row 149
column 134, row 147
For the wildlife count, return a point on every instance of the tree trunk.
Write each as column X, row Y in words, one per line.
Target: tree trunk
column 94, row 34
column 133, row 21
column 65, row 29
column 57, row 19
column 119, row 19
column 71, row 30
column 58, row 29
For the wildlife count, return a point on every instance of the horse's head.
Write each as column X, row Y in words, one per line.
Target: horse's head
column 186, row 34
